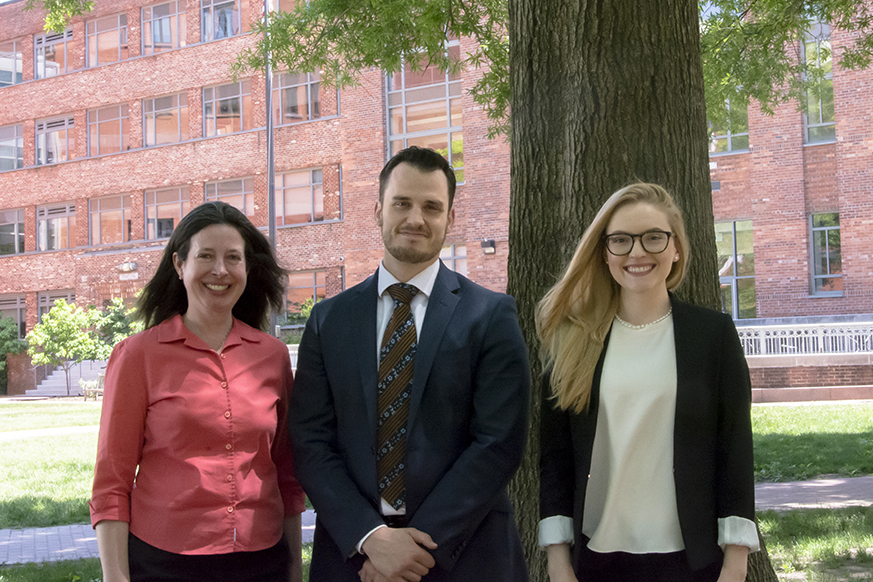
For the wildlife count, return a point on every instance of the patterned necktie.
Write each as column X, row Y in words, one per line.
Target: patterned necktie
column 396, row 365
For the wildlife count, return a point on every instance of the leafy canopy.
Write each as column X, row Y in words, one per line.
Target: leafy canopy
column 750, row 48
column 65, row 334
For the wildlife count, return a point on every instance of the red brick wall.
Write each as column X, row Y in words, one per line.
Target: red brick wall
column 812, row 376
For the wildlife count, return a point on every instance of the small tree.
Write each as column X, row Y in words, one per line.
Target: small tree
column 65, row 336
column 9, row 344
column 113, row 325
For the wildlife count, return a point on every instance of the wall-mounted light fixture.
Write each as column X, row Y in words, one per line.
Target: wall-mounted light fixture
column 127, row 267
column 489, row 247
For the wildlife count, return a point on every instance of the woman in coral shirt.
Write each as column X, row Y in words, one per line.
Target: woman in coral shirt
column 193, row 479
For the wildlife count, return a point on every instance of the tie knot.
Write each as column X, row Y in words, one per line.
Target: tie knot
column 402, row 292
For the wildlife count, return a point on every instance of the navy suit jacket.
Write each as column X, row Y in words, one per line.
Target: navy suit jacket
column 466, row 434
column 712, row 437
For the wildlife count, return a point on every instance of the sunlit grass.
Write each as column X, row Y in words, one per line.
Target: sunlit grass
column 15, row 416
column 793, row 443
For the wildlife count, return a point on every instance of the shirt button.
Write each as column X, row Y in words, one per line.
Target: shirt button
column 229, row 477
column 230, row 509
column 227, row 414
column 223, row 356
column 224, row 384
column 228, row 446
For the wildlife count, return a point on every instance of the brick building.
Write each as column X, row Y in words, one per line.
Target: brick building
column 112, row 130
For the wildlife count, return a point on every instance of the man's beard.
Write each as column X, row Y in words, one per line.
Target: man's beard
column 413, row 255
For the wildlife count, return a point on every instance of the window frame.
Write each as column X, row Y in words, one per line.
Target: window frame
column 93, row 32
column 16, row 58
column 17, row 302
column 312, row 85
column 247, row 192
column 149, row 22
column 207, row 23
column 17, row 230
column 450, row 256
column 50, row 39
column 818, row 35
column 123, row 118
column 244, row 93
column 183, row 130
column 734, row 279
column 280, row 189
column 729, row 135
column 290, row 321
column 69, row 122
column 453, row 92
column 63, row 210
column 96, row 215
column 151, row 208
column 813, row 263
column 17, row 135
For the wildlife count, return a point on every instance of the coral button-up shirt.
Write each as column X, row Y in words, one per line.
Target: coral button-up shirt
column 193, row 450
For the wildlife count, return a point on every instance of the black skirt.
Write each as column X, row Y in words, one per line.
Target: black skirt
column 150, row 564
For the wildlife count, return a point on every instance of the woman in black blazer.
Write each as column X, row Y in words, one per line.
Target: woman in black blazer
column 646, row 469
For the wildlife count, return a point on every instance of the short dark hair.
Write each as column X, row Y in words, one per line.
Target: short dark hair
column 165, row 296
column 424, row 159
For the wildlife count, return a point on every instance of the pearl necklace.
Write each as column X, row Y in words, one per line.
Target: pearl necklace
column 644, row 325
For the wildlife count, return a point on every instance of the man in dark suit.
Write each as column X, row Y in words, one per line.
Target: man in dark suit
column 410, row 406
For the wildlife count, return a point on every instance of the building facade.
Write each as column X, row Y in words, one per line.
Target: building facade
column 111, row 131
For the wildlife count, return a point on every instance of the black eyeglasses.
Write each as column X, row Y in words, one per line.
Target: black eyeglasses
column 653, row 241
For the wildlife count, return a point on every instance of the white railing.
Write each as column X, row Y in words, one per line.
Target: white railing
column 796, row 340
column 292, row 351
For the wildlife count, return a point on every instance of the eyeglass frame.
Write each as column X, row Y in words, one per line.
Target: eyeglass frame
column 634, row 241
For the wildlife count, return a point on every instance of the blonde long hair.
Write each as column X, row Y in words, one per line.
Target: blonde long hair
column 574, row 317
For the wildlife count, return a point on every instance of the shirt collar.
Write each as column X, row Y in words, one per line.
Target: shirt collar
column 174, row 329
column 423, row 281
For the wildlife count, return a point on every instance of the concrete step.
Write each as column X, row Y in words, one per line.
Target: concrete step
column 55, row 384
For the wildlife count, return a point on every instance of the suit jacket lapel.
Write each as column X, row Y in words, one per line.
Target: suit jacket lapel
column 685, row 341
column 363, row 313
column 440, row 306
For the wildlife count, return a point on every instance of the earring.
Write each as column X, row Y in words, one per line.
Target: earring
column 676, row 258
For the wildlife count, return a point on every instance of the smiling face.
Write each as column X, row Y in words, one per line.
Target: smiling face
column 414, row 217
column 214, row 273
column 641, row 273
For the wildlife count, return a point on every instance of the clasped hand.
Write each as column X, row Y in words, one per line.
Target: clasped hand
column 397, row 555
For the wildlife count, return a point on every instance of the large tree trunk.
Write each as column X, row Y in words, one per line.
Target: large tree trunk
column 603, row 93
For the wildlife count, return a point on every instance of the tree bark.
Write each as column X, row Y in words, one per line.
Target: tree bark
column 604, row 93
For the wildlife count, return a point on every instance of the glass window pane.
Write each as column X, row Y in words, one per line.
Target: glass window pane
column 740, row 142
column 426, row 116
column 724, row 244
column 746, row 302
column 820, row 252
column 835, row 250
column 745, row 248
column 827, row 284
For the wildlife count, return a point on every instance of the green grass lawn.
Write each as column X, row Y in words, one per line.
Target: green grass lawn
column 16, row 416
column 798, row 442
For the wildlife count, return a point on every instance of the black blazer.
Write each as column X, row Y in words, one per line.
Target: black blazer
column 466, row 431
column 712, row 439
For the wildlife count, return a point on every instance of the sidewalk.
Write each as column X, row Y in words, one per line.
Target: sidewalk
column 72, row 542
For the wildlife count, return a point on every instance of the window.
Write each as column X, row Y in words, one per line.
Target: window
column 736, row 268
column 11, row 148
column 219, row 19
column 56, row 227
column 13, row 306
column 165, row 119
column 11, row 232
column 55, row 140
column 164, row 209
column 227, row 108
column 295, row 97
column 163, row 27
column 108, row 130
column 827, row 261
column 734, row 135
column 424, row 109
column 455, row 258
column 299, row 198
column 304, row 290
column 819, row 116
column 10, row 63
column 46, row 300
column 238, row 193
column 107, row 40
column 110, row 220
column 50, row 53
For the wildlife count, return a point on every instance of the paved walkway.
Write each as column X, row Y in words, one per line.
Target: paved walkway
column 72, row 542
